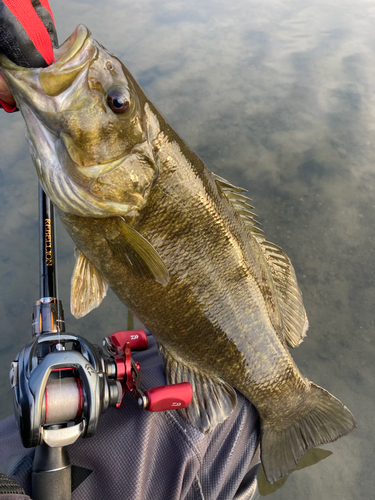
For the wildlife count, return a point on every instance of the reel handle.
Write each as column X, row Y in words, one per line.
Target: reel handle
column 168, row 397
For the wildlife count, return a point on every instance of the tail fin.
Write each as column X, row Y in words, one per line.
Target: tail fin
column 282, row 449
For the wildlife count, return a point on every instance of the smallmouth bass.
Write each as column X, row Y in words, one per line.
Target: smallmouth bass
column 177, row 244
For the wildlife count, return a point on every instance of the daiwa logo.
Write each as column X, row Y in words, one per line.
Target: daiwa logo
column 90, row 370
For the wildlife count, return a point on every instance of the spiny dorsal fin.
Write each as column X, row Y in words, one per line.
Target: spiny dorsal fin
column 138, row 253
column 88, row 287
column 239, row 201
column 213, row 399
column 288, row 292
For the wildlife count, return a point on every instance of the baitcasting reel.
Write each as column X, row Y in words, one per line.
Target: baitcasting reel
column 62, row 383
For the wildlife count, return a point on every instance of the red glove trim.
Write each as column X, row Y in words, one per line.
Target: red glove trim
column 32, row 24
column 9, row 108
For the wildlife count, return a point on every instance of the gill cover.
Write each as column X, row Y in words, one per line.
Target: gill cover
column 91, row 159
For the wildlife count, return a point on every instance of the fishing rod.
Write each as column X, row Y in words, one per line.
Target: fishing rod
column 62, row 383
column 48, row 317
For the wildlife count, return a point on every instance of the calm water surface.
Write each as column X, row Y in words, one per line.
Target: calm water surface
column 277, row 97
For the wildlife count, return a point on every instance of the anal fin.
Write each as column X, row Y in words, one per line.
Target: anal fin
column 213, row 399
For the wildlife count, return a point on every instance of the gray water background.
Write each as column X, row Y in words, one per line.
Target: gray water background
column 277, row 97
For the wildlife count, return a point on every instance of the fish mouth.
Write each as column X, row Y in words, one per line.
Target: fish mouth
column 71, row 47
column 70, row 58
column 63, row 54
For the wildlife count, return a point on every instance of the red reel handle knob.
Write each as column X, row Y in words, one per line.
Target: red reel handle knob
column 169, row 397
column 136, row 338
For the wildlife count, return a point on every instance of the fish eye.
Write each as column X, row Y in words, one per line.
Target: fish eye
column 118, row 99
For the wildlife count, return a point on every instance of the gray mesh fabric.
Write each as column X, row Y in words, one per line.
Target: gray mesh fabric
column 7, row 486
column 138, row 455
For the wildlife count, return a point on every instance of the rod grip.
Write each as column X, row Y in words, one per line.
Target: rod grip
column 52, row 474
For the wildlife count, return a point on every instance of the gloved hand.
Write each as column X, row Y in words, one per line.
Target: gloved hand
column 26, row 31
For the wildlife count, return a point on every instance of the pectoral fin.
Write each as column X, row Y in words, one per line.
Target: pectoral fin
column 88, row 287
column 213, row 399
column 140, row 255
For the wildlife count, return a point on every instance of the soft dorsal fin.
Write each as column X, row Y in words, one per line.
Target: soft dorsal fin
column 288, row 292
column 291, row 303
column 88, row 287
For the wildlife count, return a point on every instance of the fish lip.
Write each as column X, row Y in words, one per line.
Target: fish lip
column 63, row 54
column 71, row 47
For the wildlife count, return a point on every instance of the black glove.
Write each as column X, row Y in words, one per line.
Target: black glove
column 17, row 18
column 14, row 40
